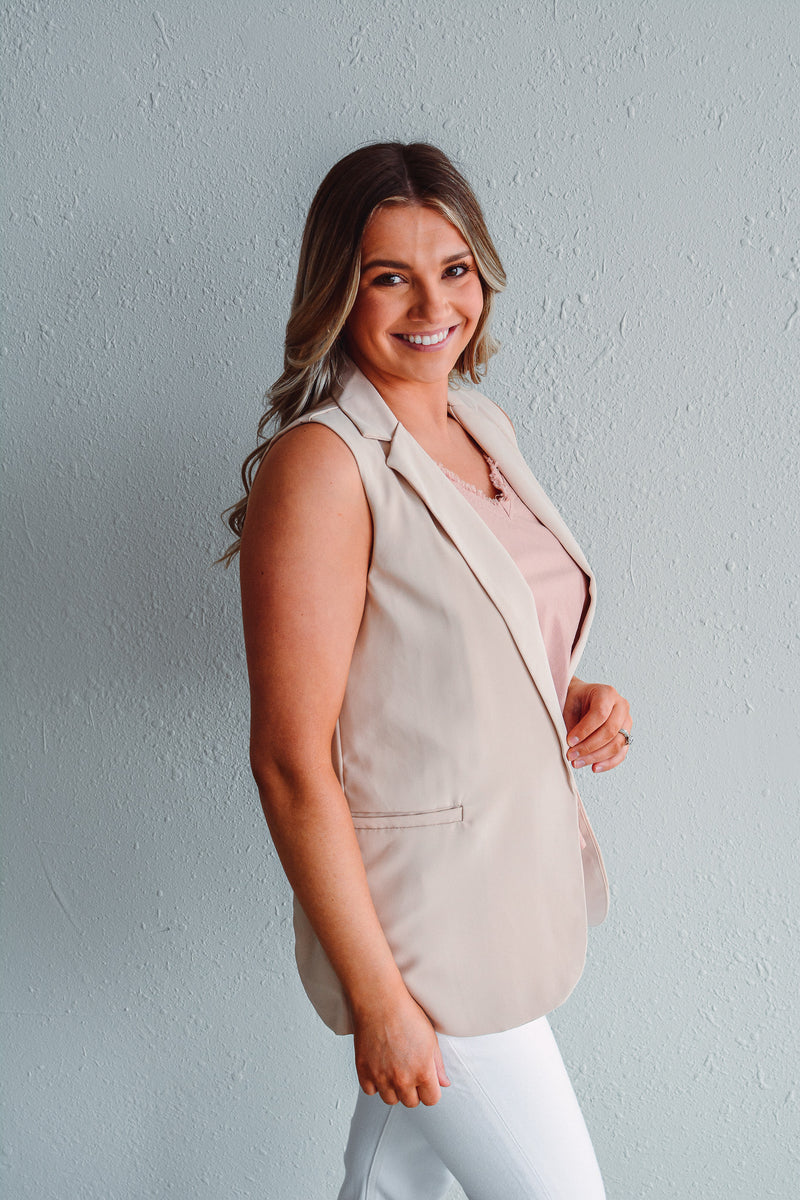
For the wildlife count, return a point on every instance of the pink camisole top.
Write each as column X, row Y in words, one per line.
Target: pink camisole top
column 560, row 587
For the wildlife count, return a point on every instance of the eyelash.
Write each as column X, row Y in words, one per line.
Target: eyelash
column 383, row 280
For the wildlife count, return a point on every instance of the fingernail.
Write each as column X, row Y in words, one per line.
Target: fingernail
column 573, row 741
column 579, row 762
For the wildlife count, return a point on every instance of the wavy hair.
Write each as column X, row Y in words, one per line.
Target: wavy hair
column 329, row 271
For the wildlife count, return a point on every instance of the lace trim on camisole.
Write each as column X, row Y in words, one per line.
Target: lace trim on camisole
column 495, row 478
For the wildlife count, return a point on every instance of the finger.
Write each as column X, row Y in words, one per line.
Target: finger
column 603, row 730
column 616, row 761
column 368, row 1087
column 602, row 758
column 611, row 749
column 389, row 1095
column 441, row 1073
column 600, row 710
column 429, row 1090
column 409, row 1097
column 430, row 1094
column 603, row 735
column 613, row 759
column 615, row 751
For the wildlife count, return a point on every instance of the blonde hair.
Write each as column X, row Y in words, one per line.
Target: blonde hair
column 329, row 271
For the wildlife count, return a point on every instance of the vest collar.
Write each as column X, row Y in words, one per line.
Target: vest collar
column 494, row 568
column 364, row 405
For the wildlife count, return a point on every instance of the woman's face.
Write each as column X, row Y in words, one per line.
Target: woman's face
column 419, row 298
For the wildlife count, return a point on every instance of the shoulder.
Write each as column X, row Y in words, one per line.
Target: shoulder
column 490, row 409
column 311, row 455
column 307, row 485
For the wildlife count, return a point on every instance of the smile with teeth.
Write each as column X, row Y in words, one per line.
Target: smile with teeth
column 426, row 339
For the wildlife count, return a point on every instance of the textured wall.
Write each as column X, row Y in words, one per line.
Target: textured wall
column 639, row 167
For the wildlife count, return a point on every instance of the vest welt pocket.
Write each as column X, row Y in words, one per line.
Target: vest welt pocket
column 408, row 820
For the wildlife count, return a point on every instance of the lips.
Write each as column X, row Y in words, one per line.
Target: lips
column 431, row 340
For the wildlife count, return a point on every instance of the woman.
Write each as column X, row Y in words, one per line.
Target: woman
column 414, row 609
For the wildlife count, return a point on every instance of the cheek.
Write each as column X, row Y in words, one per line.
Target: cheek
column 472, row 291
column 475, row 300
column 357, row 324
column 367, row 318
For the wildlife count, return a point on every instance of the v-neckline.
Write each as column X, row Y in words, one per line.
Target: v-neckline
column 495, row 478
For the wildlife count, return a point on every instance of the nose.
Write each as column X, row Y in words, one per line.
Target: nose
column 430, row 304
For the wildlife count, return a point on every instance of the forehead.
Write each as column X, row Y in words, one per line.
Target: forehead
column 402, row 230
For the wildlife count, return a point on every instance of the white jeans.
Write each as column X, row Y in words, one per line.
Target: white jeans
column 508, row 1128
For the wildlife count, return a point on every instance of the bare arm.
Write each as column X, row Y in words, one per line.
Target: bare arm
column 304, row 562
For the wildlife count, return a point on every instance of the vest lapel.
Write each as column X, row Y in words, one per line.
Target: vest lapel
column 489, row 561
column 502, row 447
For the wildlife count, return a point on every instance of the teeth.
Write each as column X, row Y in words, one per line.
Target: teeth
column 425, row 339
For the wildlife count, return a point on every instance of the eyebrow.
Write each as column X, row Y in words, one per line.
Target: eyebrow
column 401, row 266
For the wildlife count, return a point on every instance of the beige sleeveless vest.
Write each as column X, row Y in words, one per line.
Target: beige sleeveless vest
column 450, row 746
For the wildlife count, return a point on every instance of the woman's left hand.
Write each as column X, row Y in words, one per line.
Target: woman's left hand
column 594, row 714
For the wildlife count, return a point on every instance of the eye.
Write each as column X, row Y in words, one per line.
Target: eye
column 389, row 279
column 457, row 270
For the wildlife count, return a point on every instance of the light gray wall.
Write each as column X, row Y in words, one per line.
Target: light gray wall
column 638, row 164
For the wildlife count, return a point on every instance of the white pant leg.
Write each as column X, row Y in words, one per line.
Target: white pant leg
column 508, row 1128
column 512, row 1122
column 388, row 1158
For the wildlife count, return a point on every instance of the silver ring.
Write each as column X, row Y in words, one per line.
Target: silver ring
column 627, row 736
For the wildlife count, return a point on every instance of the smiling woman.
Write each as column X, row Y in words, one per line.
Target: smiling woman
column 419, row 299
column 414, row 610
column 419, row 302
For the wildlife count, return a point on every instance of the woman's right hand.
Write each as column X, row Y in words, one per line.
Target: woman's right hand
column 397, row 1053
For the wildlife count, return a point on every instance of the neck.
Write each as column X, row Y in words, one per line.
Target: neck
column 418, row 405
